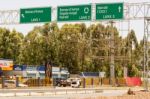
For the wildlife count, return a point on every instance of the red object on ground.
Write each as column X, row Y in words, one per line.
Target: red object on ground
column 133, row 81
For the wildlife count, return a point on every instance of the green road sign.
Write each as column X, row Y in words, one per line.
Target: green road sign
column 109, row 11
column 74, row 13
column 32, row 15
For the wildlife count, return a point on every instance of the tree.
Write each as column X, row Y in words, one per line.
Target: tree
column 10, row 44
column 75, row 46
column 131, row 44
column 69, row 38
column 50, row 46
column 133, row 71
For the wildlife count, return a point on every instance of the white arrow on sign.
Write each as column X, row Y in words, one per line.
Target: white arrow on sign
column 86, row 10
column 119, row 8
column 22, row 15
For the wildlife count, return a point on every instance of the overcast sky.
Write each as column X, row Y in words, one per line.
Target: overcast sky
column 24, row 28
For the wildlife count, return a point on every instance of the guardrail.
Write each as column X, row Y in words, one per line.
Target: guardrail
column 42, row 92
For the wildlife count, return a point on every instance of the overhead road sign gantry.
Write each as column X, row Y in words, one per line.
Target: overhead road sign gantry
column 33, row 15
column 109, row 11
column 74, row 13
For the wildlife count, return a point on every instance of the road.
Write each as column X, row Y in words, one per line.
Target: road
column 65, row 92
column 50, row 90
column 32, row 97
column 72, row 96
column 60, row 92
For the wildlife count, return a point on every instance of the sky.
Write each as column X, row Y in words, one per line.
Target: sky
column 25, row 28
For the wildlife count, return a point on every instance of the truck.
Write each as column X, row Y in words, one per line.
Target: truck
column 60, row 76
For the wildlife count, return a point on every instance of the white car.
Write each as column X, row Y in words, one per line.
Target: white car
column 70, row 80
column 75, row 84
column 12, row 83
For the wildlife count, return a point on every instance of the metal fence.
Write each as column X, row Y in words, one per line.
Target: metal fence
column 94, row 82
column 24, row 82
column 38, row 82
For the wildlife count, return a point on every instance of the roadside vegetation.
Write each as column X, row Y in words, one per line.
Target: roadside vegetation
column 75, row 46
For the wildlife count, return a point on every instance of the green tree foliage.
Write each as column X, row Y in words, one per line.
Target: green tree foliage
column 10, row 44
column 133, row 71
column 75, row 46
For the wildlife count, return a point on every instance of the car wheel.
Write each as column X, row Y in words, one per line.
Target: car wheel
column 64, row 85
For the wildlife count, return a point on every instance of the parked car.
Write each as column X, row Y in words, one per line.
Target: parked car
column 9, row 83
column 12, row 83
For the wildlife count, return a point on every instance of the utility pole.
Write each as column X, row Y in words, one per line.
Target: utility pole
column 112, row 68
column 146, row 50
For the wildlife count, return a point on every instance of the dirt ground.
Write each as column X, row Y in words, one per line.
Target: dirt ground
column 138, row 95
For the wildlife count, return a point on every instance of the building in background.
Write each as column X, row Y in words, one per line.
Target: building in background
column 58, row 72
column 6, row 64
column 41, row 71
column 26, row 71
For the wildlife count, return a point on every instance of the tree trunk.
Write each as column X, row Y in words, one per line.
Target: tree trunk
column 48, row 69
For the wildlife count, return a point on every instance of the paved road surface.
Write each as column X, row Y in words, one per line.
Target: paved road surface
column 69, row 96
column 48, row 90
column 73, row 96
column 113, row 92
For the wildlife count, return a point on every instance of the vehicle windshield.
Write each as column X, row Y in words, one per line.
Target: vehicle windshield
column 74, row 82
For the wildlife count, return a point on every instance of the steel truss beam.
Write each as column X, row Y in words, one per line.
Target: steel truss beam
column 9, row 17
column 132, row 11
column 136, row 11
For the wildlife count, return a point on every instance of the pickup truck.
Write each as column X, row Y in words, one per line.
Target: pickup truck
column 60, row 82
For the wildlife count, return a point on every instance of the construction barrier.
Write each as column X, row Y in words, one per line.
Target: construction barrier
column 85, row 82
column 39, row 82
column 105, row 81
column 133, row 81
column 88, row 82
column 96, row 81
column 121, row 82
